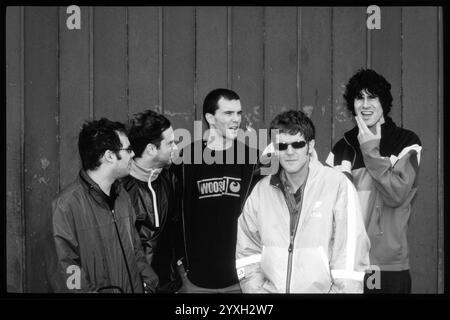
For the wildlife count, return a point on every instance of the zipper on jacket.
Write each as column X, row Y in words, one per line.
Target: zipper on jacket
column 184, row 222
column 291, row 242
column 289, row 270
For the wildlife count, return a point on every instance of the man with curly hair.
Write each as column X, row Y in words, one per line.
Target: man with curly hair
column 382, row 160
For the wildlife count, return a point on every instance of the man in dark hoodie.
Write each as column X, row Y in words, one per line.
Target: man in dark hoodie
column 152, row 189
column 382, row 160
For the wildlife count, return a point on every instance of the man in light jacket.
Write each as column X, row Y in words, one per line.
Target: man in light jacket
column 301, row 229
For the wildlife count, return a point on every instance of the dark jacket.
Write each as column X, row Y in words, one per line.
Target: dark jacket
column 98, row 241
column 158, row 242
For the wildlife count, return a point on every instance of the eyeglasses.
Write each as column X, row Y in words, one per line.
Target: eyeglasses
column 129, row 149
column 296, row 145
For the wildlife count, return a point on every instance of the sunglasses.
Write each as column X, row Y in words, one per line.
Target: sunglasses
column 129, row 149
column 296, row 145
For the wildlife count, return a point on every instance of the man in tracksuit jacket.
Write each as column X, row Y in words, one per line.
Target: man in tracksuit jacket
column 153, row 191
column 97, row 246
column 382, row 160
column 301, row 229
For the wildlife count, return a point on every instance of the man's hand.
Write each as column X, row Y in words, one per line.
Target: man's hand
column 364, row 133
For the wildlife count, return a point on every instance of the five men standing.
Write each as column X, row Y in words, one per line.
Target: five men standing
column 302, row 229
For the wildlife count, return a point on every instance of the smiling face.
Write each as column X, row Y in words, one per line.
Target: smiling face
column 227, row 118
column 293, row 160
column 369, row 108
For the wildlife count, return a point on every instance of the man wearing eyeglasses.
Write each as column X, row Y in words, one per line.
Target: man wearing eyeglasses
column 301, row 229
column 97, row 246
column 153, row 191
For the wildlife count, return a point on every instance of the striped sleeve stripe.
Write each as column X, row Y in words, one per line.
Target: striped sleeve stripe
column 414, row 147
column 248, row 260
column 346, row 274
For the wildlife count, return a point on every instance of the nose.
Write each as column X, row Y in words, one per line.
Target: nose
column 365, row 102
column 290, row 150
column 132, row 154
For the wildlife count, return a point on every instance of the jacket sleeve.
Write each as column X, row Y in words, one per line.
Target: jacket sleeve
column 178, row 221
column 249, row 248
column 66, row 245
column 149, row 276
column 350, row 244
column 394, row 177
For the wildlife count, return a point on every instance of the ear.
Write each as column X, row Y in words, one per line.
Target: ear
column 150, row 149
column 210, row 119
column 109, row 156
column 311, row 146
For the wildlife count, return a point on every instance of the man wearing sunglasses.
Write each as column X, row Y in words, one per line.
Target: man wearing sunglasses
column 301, row 229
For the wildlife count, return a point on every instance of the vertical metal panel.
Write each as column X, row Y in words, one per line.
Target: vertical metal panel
column 247, row 67
column 420, row 114
column 315, row 73
column 110, row 63
column 41, row 136
column 349, row 54
column 143, row 47
column 211, row 52
column 440, row 177
column 280, row 61
column 179, row 66
column 74, row 92
column 15, row 268
column 386, row 57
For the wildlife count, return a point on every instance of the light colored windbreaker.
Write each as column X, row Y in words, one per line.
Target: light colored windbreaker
column 329, row 251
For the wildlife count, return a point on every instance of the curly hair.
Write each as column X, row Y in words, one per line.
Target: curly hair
column 95, row 138
column 372, row 82
column 293, row 122
column 147, row 127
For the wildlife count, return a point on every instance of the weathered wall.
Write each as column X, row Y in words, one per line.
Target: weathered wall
column 124, row 60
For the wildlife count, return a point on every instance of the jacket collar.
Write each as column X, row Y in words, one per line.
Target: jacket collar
column 95, row 191
column 143, row 174
column 276, row 181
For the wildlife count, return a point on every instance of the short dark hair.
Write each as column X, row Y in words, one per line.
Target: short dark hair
column 372, row 82
column 147, row 127
column 95, row 138
column 210, row 103
column 293, row 122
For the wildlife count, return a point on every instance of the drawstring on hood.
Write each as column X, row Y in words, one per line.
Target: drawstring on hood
column 147, row 175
